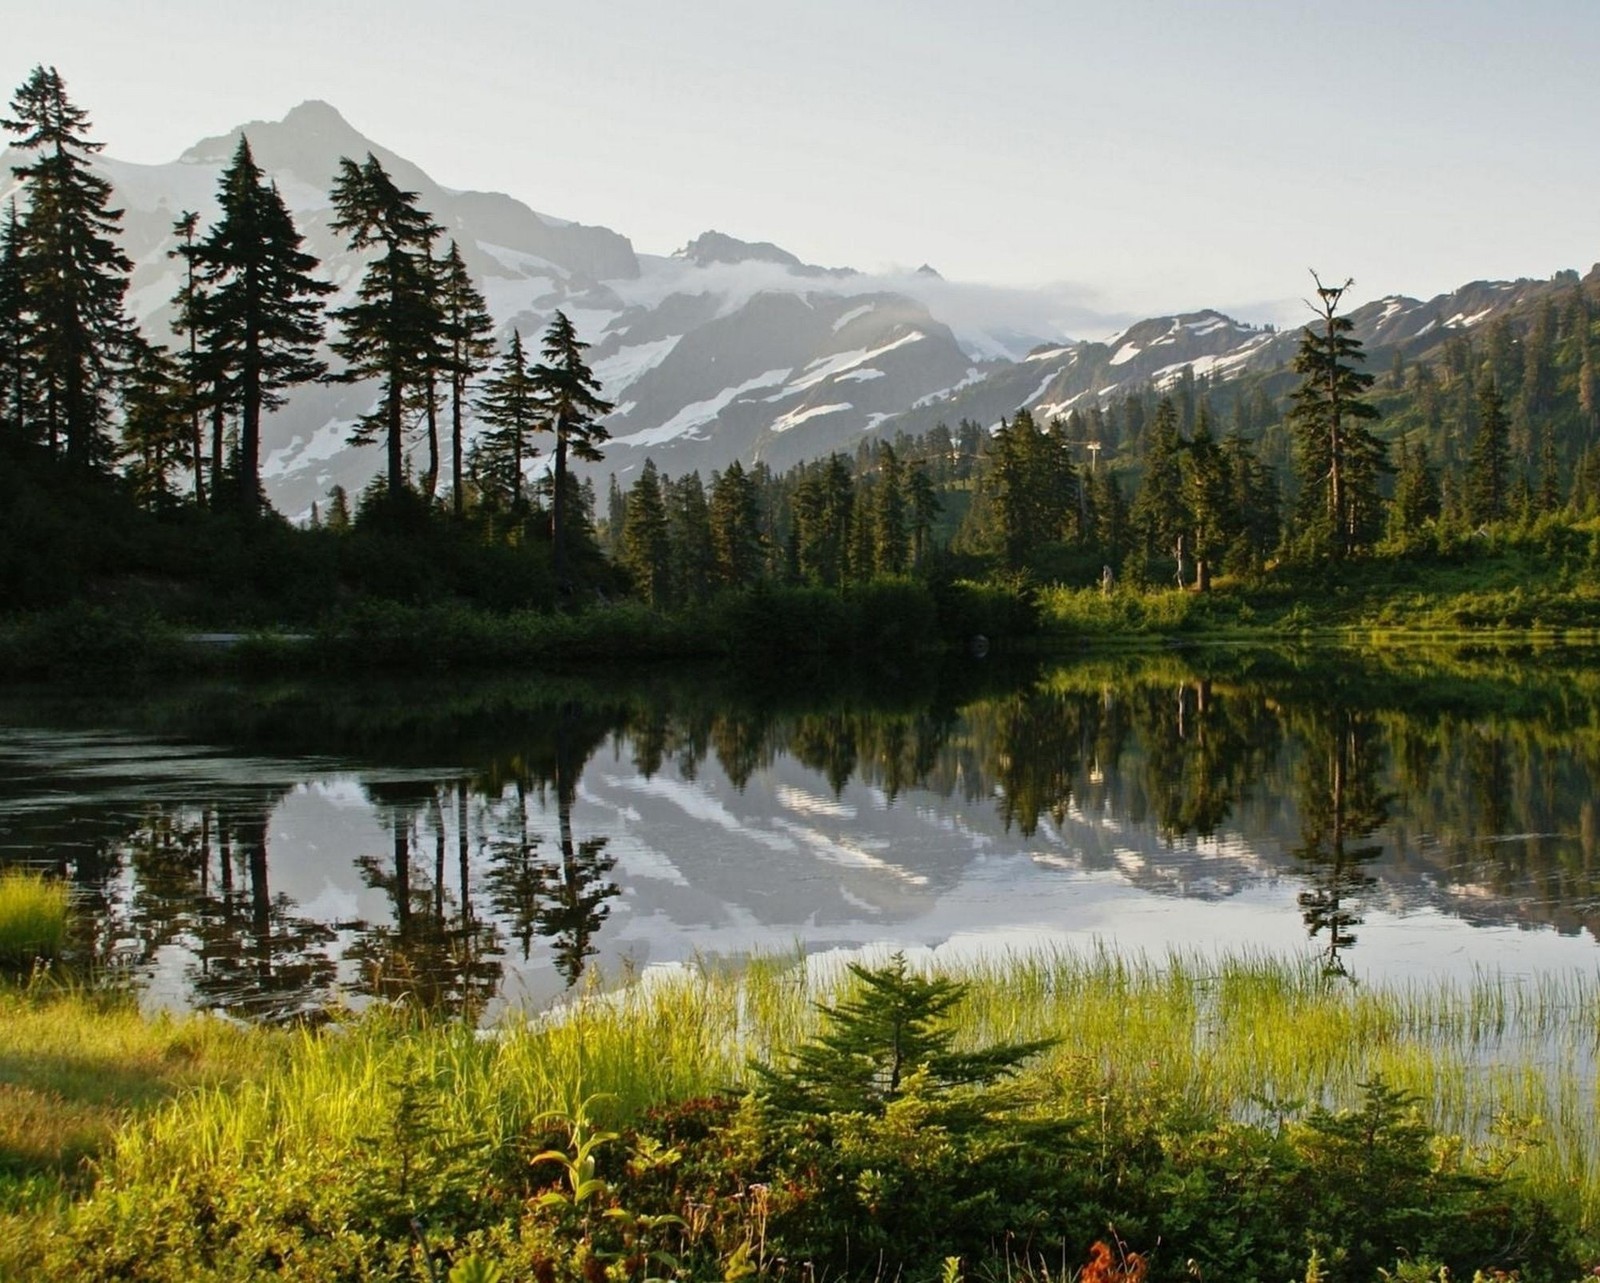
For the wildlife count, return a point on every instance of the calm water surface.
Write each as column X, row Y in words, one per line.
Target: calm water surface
column 273, row 848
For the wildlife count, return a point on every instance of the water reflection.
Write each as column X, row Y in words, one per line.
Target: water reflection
column 275, row 850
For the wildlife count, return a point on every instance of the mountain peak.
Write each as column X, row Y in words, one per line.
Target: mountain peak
column 314, row 113
column 719, row 247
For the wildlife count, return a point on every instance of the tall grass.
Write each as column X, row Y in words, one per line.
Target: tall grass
column 34, row 912
column 1250, row 1036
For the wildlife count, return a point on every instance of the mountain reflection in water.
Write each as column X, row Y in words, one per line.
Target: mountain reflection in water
column 274, row 849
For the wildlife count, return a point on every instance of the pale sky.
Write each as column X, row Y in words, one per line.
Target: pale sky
column 1152, row 156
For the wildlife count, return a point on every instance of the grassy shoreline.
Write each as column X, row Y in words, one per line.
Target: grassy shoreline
column 1168, row 1059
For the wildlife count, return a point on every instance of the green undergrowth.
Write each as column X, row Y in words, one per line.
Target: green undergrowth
column 1223, row 1119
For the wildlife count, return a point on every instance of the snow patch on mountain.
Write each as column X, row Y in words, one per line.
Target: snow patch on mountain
column 698, row 413
column 619, row 370
column 798, row 416
column 826, row 367
column 851, row 315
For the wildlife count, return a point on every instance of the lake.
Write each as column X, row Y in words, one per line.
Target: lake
column 273, row 848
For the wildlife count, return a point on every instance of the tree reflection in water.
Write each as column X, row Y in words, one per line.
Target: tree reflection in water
column 1341, row 803
column 1176, row 774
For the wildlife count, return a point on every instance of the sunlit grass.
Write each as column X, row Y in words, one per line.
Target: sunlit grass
column 76, row 1068
column 34, row 912
column 1248, row 1036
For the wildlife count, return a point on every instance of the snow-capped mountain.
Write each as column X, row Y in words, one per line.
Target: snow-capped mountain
column 728, row 349
column 725, row 350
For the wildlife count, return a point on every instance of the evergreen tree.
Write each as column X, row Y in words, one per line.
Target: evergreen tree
column 1111, row 518
column 1549, row 497
column 338, row 511
column 735, row 517
column 646, row 540
column 259, row 312
column 467, row 332
column 923, row 502
column 392, row 329
column 573, row 407
column 616, row 517
column 823, row 512
column 890, row 535
column 155, row 422
column 510, row 405
column 1207, row 498
column 1338, row 460
column 73, row 274
column 1489, row 465
column 1416, row 496
column 1159, row 516
column 689, row 534
column 1255, row 506
column 14, row 394
column 187, row 323
column 895, row 1025
column 1034, row 488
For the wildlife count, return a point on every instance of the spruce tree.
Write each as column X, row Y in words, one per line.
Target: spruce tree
column 13, row 336
column 872, row 1041
column 574, row 408
column 391, row 330
column 187, row 323
column 922, row 500
column 468, row 328
column 1416, row 496
column 890, row 519
column 73, row 275
column 1159, row 516
column 511, row 407
column 1207, row 498
column 689, row 533
column 646, row 541
column 823, row 514
column 258, row 310
column 1489, row 464
column 155, row 423
column 735, row 518
column 1338, row 461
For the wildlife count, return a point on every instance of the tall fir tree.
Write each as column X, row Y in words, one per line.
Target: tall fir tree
column 1208, row 500
column 156, row 425
column 392, row 330
column 13, row 336
column 891, row 534
column 187, row 323
column 735, row 517
column 574, row 408
column 511, row 407
column 1159, row 515
column 1488, row 467
column 1338, row 460
column 468, row 328
column 689, row 529
column 258, row 310
column 1416, row 496
column 646, row 538
column 823, row 515
column 73, row 275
